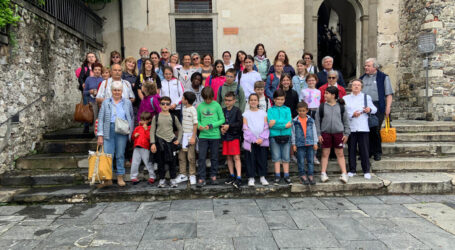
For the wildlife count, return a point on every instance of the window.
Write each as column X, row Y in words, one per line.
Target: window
column 193, row 6
column 4, row 35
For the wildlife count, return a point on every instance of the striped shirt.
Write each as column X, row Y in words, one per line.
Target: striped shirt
column 189, row 119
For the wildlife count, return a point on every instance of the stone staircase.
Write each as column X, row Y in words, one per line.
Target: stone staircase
column 422, row 160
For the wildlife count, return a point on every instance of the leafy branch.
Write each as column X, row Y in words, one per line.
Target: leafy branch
column 7, row 15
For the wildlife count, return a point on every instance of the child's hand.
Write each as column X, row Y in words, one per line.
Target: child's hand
column 192, row 140
column 136, row 135
column 294, row 148
column 315, row 147
column 201, row 128
column 206, row 127
column 176, row 142
column 272, row 123
column 259, row 141
column 153, row 148
column 226, row 127
column 345, row 139
column 288, row 125
column 144, row 126
column 320, row 139
column 173, row 106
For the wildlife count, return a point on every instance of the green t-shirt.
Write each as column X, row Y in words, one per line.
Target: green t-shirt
column 210, row 114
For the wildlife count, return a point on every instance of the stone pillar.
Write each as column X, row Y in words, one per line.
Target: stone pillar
column 365, row 43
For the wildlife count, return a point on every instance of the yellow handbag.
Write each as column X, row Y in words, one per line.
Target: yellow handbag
column 99, row 166
column 388, row 134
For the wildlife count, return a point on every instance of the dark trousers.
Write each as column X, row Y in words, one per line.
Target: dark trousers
column 360, row 139
column 375, row 137
column 162, row 159
column 204, row 146
column 256, row 161
column 177, row 113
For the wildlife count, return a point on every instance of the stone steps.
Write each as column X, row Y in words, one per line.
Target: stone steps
column 50, row 161
column 418, row 148
column 67, row 146
column 426, row 137
column 406, row 126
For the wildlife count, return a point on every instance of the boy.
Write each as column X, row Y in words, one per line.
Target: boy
column 141, row 140
column 90, row 91
column 304, row 142
column 210, row 117
column 264, row 101
column 231, row 132
column 231, row 85
column 164, row 142
column 189, row 124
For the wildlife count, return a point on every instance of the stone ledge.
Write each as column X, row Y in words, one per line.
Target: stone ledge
column 431, row 25
column 417, row 183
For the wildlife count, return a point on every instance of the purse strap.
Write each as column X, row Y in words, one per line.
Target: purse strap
column 387, row 124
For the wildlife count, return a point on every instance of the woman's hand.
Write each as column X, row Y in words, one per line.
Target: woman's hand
column 100, row 141
column 367, row 110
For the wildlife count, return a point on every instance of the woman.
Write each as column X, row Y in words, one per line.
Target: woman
column 207, row 61
column 116, row 58
column 282, row 56
column 148, row 74
column 129, row 72
column 86, row 69
column 239, row 61
column 308, row 59
column 261, row 61
column 184, row 73
column 273, row 80
column 332, row 78
column 174, row 61
column 196, row 61
column 227, row 60
column 114, row 143
column 359, row 106
column 217, row 78
column 248, row 77
column 155, row 57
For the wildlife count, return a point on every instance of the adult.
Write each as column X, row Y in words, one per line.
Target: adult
column 248, row 77
column 217, row 78
column 273, row 79
column 116, row 58
column 196, row 61
column 327, row 64
column 377, row 85
column 358, row 122
column 261, row 61
column 227, row 60
column 309, row 65
column 184, row 73
column 206, row 68
column 148, row 75
column 157, row 66
column 129, row 68
column 144, row 54
column 165, row 56
column 283, row 57
column 105, row 92
column 86, row 69
column 174, row 61
column 113, row 108
column 239, row 61
column 332, row 77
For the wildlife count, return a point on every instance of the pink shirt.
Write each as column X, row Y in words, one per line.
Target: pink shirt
column 312, row 97
column 216, row 83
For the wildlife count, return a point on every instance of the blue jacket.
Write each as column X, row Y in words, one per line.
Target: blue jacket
column 271, row 86
column 322, row 79
column 298, row 137
column 380, row 79
column 281, row 115
column 104, row 117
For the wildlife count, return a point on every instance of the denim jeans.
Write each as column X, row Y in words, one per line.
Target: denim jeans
column 307, row 153
column 204, row 146
column 280, row 152
column 116, row 145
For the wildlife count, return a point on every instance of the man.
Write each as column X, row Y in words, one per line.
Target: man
column 377, row 85
column 165, row 55
column 327, row 64
column 144, row 54
column 105, row 88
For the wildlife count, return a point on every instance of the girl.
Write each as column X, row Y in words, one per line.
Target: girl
column 248, row 76
column 273, row 79
column 174, row 61
column 158, row 68
column 172, row 88
column 227, row 60
column 239, row 61
column 148, row 74
column 256, row 140
column 292, row 98
column 129, row 73
column 151, row 101
column 217, row 78
column 86, row 69
column 207, row 68
column 280, row 122
column 116, row 58
column 332, row 125
column 283, row 57
column 298, row 81
column 261, row 61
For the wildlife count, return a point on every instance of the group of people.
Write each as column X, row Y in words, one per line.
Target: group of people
column 175, row 114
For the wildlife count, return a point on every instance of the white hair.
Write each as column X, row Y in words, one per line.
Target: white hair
column 165, row 49
column 333, row 72
column 116, row 85
column 374, row 61
column 327, row 57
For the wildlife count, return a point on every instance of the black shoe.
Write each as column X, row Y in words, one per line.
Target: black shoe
column 201, row 184
column 237, row 183
column 288, row 181
column 86, row 130
column 377, row 157
column 276, row 182
column 304, row 181
column 231, row 180
column 312, row 181
column 212, row 182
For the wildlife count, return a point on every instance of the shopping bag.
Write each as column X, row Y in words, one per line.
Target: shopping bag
column 83, row 113
column 388, row 134
column 99, row 166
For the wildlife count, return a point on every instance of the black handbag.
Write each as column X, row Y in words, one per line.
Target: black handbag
column 282, row 139
column 373, row 120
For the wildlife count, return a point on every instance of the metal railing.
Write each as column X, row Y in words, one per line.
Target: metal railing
column 76, row 15
column 193, row 7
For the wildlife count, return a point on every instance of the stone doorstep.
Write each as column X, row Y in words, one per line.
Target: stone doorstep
column 426, row 137
column 418, row 148
column 410, row 126
column 66, row 146
column 49, row 161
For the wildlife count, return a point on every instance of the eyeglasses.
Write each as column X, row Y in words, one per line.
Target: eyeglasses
column 331, row 77
column 227, row 76
column 116, row 57
column 165, row 104
column 228, row 100
column 195, row 58
column 307, row 58
column 164, row 52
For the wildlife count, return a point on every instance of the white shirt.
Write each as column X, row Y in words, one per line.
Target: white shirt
column 357, row 103
column 189, row 118
column 106, row 92
column 247, row 82
column 255, row 120
column 174, row 90
column 230, row 66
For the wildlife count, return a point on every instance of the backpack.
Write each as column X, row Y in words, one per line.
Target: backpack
column 321, row 111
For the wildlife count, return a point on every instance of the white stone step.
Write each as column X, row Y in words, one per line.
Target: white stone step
column 426, row 137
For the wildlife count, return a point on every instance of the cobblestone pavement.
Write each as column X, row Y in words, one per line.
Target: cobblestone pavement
column 369, row 222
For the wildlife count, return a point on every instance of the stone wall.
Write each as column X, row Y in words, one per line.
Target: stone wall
column 38, row 69
column 417, row 17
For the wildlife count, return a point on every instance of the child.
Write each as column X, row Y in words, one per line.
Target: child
column 292, row 97
column 210, row 117
column 196, row 87
column 231, row 132
column 91, row 89
column 264, row 101
column 164, row 141
column 172, row 88
column 256, row 140
column 141, row 140
column 332, row 125
column 151, row 101
column 304, row 142
column 280, row 122
column 299, row 81
column 189, row 124
column 217, row 77
column 232, row 85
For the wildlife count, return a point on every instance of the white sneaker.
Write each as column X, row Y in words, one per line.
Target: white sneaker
column 173, row 183
column 344, row 178
column 162, row 183
column 316, row 161
column 155, row 166
column 251, row 182
column 351, row 174
column 192, row 179
column 367, row 176
column 264, row 182
column 324, row 177
column 181, row 178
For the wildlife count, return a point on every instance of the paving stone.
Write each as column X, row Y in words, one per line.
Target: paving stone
column 171, row 231
column 161, row 244
column 252, row 226
column 273, row 204
column 412, row 225
column 18, row 244
column 10, row 210
column 218, row 229
column 155, row 206
column 307, row 203
column 396, row 199
column 434, row 198
column 253, row 243
column 347, row 229
column 236, row 212
column 219, row 244
column 364, row 200
column 340, row 213
column 122, row 207
column 123, row 218
column 363, row 244
column 436, row 240
column 438, row 213
column 379, row 225
column 417, row 182
column 279, row 220
column 234, row 202
column 205, row 205
column 126, row 235
column 202, row 216
column 305, row 219
column 11, row 218
column 27, row 232
column 80, row 214
column 161, row 217
column 38, row 222
column 401, row 241
column 69, row 236
column 338, row 203
column 384, row 210
column 6, row 225
column 286, row 238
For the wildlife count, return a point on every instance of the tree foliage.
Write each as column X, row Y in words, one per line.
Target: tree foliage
column 7, row 14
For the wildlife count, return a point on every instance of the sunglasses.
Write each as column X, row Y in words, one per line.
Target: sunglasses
column 331, row 77
column 164, row 52
column 165, row 104
column 196, row 58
